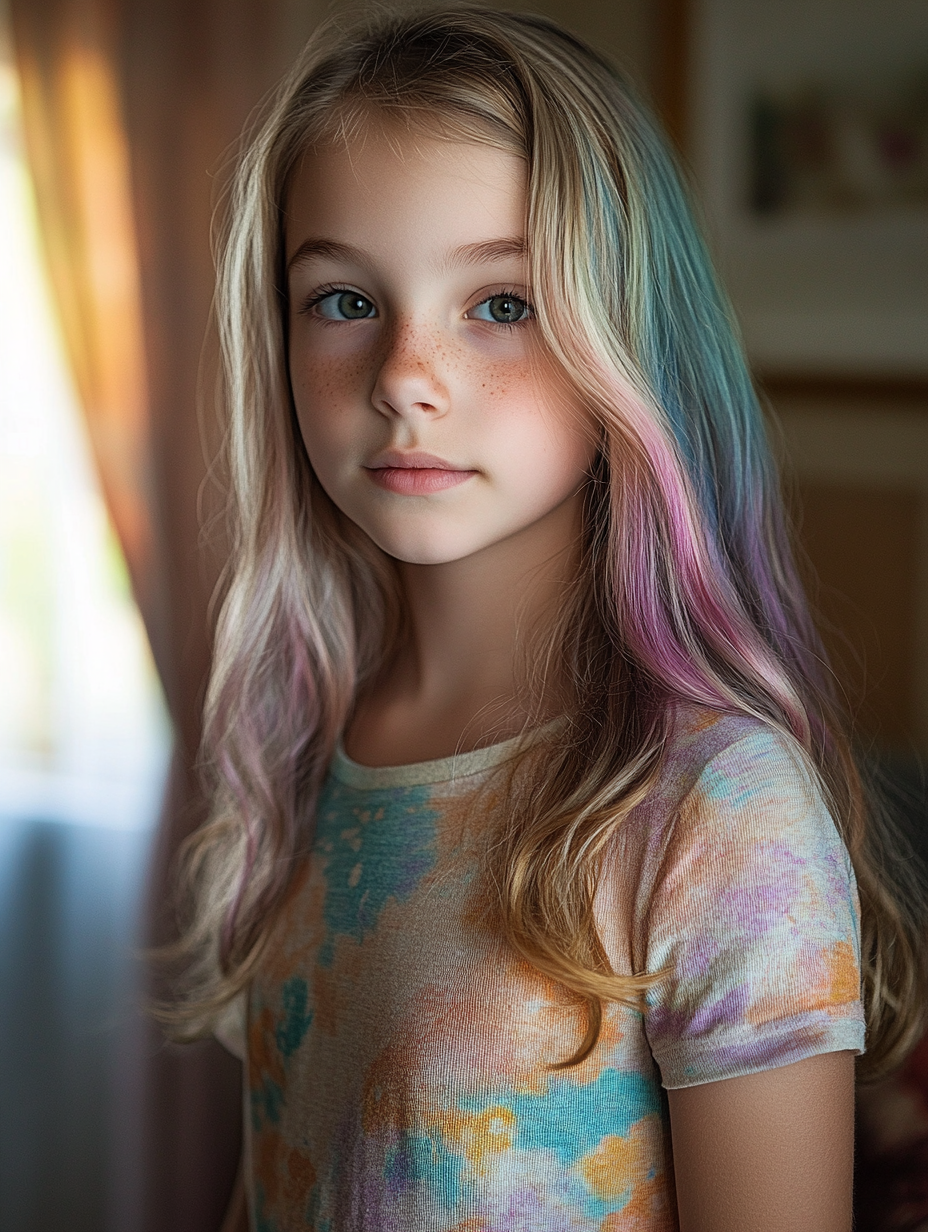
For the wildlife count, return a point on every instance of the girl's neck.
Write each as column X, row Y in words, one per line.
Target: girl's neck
column 456, row 684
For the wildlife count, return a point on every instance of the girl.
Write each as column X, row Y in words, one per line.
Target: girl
column 528, row 867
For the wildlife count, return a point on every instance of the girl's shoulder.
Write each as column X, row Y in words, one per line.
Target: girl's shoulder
column 728, row 782
column 728, row 759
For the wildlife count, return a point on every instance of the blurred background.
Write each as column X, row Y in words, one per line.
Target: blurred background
column 804, row 127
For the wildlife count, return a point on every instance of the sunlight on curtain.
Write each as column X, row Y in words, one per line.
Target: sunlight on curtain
column 83, row 733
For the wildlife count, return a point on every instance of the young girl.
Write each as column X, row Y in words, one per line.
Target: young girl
column 528, row 868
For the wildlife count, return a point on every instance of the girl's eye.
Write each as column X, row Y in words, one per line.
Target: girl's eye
column 501, row 310
column 344, row 306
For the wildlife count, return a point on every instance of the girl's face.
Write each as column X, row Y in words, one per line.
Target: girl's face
column 430, row 414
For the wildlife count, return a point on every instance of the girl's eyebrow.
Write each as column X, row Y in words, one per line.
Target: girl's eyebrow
column 486, row 251
column 482, row 252
column 327, row 248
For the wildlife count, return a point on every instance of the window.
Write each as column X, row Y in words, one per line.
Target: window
column 83, row 732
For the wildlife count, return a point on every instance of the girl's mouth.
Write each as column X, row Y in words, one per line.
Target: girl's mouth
column 415, row 474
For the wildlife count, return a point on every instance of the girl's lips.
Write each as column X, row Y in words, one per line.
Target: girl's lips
column 414, row 474
column 417, row 480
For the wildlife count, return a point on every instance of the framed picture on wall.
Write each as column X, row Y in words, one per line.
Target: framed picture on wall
column 808, row 135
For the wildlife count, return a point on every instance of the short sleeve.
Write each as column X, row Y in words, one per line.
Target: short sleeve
column 230, row 1026
column 753, row 917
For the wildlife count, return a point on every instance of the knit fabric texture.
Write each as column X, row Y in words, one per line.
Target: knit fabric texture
column 401, row 1057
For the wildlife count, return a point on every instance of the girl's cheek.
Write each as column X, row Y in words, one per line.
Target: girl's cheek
column 494, row 377
column 329, row 377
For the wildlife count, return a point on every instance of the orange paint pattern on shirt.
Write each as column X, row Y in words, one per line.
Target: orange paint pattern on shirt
column 267, row 1151
column 622, row 1164
column 263, row 1056
column 648, row 1211
column 293, row 1183
column 478, row 1136
column 618, row 1162
column 844, row 974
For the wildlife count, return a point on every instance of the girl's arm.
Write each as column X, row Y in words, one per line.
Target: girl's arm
column 771, row 1152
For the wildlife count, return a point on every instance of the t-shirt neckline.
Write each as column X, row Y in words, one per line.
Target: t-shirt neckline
column 440, row 770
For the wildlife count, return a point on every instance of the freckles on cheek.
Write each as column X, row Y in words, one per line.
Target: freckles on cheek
column 498, row 381
column 327, row 377
column 494, row 391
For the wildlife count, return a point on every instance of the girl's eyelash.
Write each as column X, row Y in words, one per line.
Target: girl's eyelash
column 323, row 293
column 505, row 293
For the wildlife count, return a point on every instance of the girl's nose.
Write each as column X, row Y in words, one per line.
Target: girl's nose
column 412, row 375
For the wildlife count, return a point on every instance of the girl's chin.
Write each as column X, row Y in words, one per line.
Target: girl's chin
column 426, row 549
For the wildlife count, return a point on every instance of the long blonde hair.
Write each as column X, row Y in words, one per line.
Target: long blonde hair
column 687, row 588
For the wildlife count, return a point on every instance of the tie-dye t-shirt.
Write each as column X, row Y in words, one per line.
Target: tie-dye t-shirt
column 400, row 1057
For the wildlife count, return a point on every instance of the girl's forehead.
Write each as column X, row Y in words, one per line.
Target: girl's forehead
column 412, row 188
column 383, row 145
